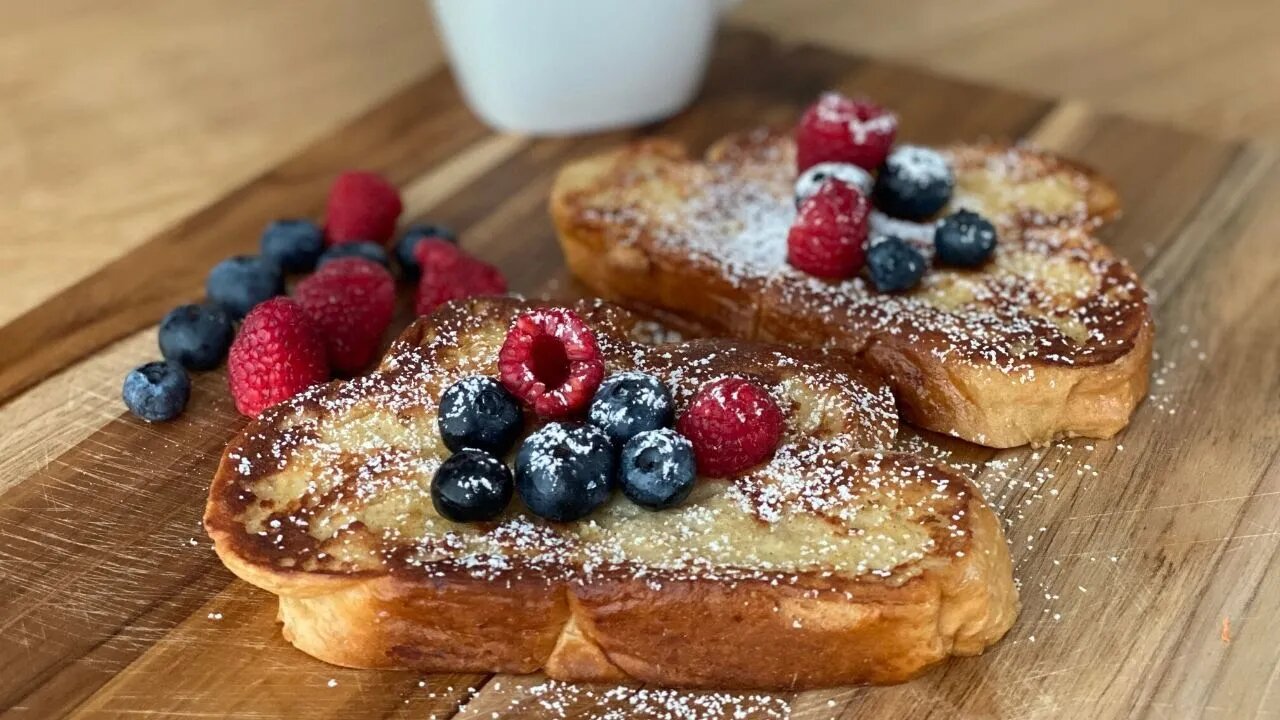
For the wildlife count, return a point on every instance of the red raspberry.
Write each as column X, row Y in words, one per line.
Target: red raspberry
column 437, row 254
column 362, row 207
column 840, row 129
column 551, row 361
column 453, row 278
column 829, row 236
column 276, row 355
column 350, row 302
column 733, row 424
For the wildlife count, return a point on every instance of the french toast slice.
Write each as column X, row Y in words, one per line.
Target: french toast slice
column 838, row 561
column 1051, row 338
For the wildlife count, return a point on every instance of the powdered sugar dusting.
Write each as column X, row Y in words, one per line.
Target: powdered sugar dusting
column 338, row 479
column 1050, row 295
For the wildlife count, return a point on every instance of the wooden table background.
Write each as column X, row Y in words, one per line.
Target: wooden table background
column 119, row 123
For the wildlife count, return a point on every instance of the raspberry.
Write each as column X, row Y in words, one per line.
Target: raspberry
column 733, row 424
column 829, row 236
column 362, row 207
column 436, row 254
column 350, row 302
column 453, row 275
column 551, row 361
column 276, row 355
column 841, row 129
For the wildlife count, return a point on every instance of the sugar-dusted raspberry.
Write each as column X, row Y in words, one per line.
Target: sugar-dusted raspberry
column 846, row 130
column 733, row 424
column 550, row 360
column 829, row 236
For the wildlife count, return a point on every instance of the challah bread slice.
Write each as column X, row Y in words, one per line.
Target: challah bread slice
column 837, row 561
column 1051, row 338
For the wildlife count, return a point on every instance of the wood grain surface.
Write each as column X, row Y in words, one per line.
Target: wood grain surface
column 1148, row 564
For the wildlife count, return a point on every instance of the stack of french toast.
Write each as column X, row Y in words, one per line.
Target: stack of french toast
column 525, row 486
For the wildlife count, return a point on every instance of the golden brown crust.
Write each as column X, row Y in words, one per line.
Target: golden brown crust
column 816, row 632
column 1051, row 340
column 731, row 627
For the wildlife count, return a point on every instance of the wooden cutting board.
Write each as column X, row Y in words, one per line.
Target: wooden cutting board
column 1147, row 563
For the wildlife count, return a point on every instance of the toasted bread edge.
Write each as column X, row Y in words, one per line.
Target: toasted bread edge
column 698, row 633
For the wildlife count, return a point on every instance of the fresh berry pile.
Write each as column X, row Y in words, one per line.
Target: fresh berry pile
column 336, row 318
column 597, row 435
column 848, row 144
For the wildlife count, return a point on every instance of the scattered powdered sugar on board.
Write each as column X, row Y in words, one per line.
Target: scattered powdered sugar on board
column 555, row 700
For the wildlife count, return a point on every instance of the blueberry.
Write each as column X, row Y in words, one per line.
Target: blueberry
column 964, row 239
column 157, row 391
column 366, row 250
column 848, row 173
column 196, row 336
column 238, row 283
column 657, row 469
column 894, row 265
column 471, row 485
column 564, row 471
column 294, row 245
column 628, row 403
column 915, row 182
column 409, row 266
column 478, row 412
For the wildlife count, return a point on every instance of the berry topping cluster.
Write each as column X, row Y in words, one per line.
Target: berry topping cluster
column 336, row 318
column 848, row 143
column 597, row 435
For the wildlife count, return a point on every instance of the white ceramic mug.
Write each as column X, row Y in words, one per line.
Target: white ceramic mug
column 568, row 66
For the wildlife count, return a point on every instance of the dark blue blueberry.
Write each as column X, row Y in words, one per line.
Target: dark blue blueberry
column 478, row 412
column 157, row 391
column 196, row 336
column 629, row 403
column 409, row 266
column 914, row 183
column 238, row 283
column 564, row 471
column 894, row 265
column 471, row 485
column 964, row 239
column 294, row 245
column 366, row 250
column 657, row 469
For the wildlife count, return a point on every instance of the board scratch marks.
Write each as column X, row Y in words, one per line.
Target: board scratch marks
column 96, row 561
column 66, row 409
column 237, row 641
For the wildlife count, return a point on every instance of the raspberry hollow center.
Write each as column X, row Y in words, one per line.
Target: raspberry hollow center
column 548, row 361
